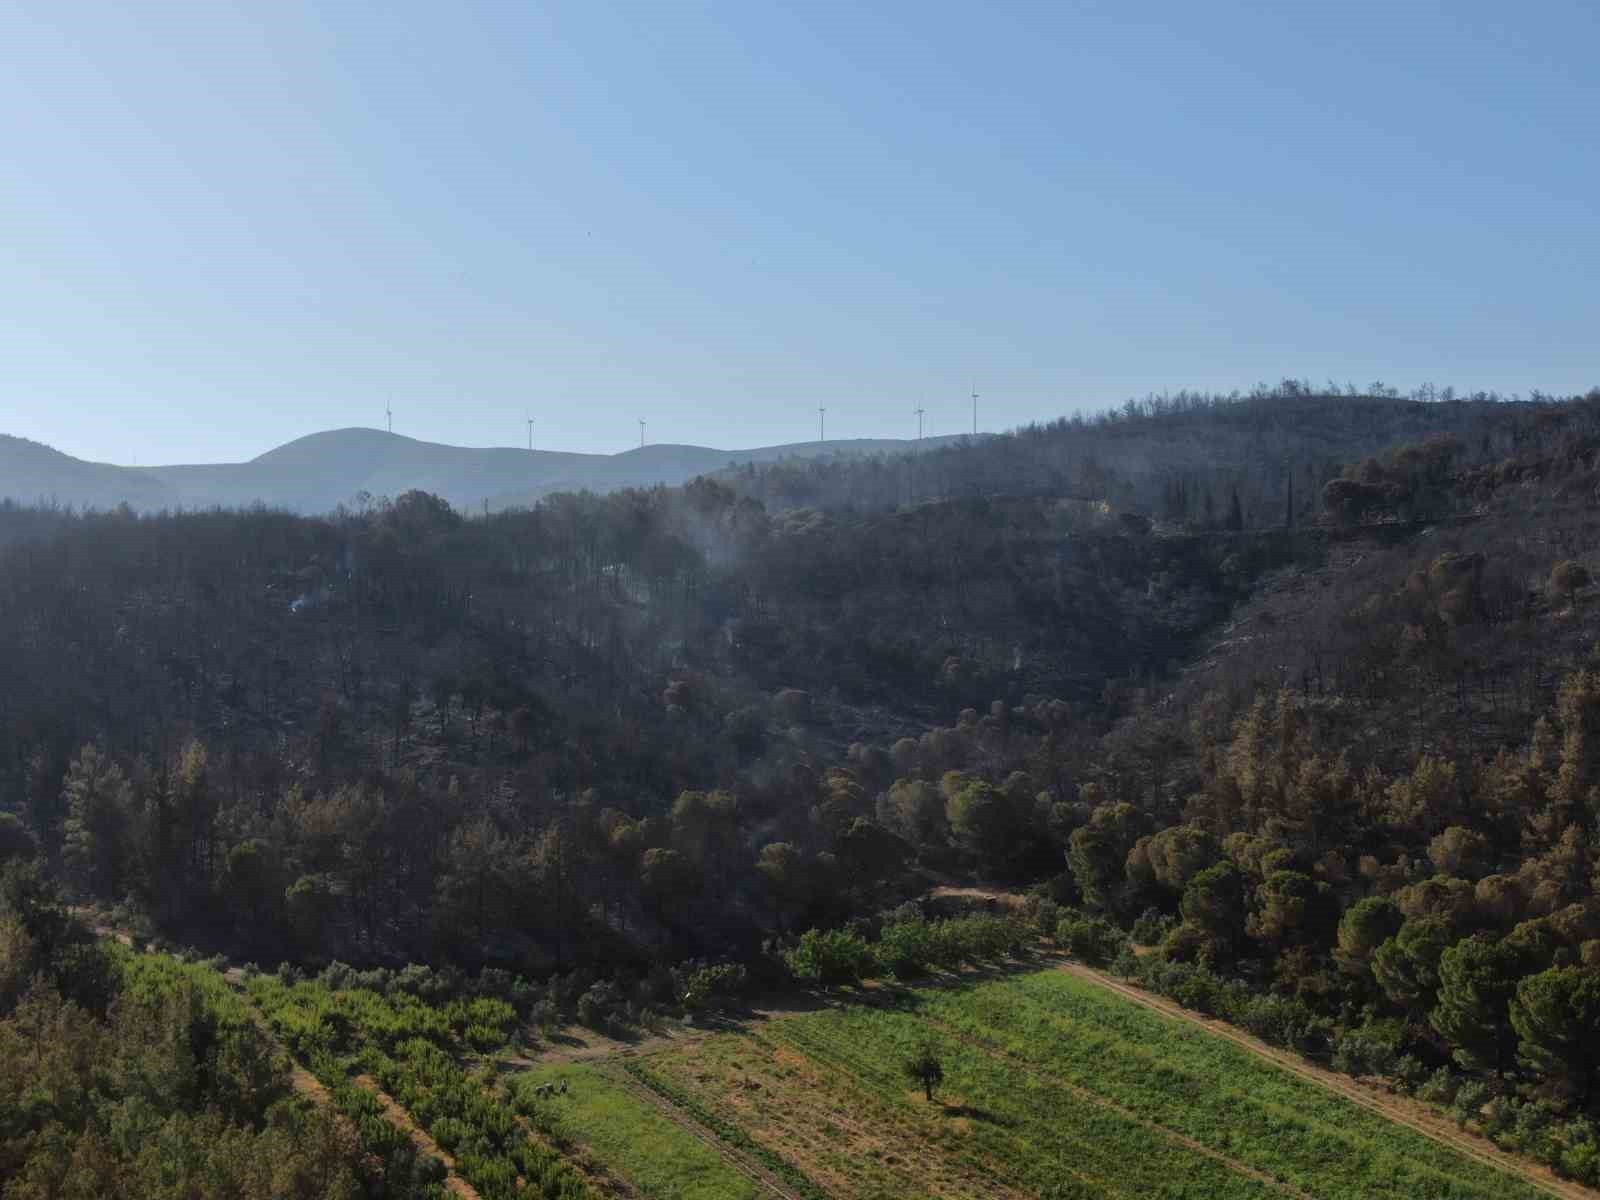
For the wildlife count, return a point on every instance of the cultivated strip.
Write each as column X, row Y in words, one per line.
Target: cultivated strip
column 1480, row 1150
column 1092, row 1097
column 749, row 1167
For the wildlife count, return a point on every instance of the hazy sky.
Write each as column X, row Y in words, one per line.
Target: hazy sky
column 224, row 226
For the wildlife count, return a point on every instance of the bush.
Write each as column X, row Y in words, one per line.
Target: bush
column 1440, row 1087
column 1127, row 965
column 544, row 1013
column 1192, row 986
column 715, row 986
column 338, row 977
column 1469, row 1101
column 1152, row 927
column 905, row 949
column 1410, row 1072
column 1044, row 914
column 1369, row 1049
column 1529, row 1130
column 598, row 1006
column 900, row 914
column 924, row 1067
column 1579, row 1156
column 1093, row 939
column 830, row 958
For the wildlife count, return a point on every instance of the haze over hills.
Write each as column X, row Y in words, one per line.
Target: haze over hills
column 318, row 472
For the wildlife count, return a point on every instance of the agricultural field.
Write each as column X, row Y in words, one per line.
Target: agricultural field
column 1052, row 1087
column 603, row 1109
column 359, row 1042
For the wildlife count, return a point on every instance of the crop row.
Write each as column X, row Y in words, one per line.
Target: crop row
column 388, row 1154
column 407, row 1045
column 150, row 978
column 1043, row 1133
column 492, row 1151
column 405, row 1171
column 628, row 1133
column 1212, row 1092
column 832, row 1123
column 726, row 1130
column 313, row 1019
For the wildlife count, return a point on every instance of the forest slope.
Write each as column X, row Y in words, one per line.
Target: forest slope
column 1332, row 760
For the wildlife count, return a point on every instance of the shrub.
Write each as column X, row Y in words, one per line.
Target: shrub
column 1579, row 1156
column 715, row 985
column 1469, row 1101
column 1152, row 927
column 1369, row 1049
column 1044, row 914
column 830, row 958
column 1093, row 939
column 1410, row 1072
column 1440, row 1087
column 598, row 1005
column 924, row 1067
column 905, row 949
column 545, row 1014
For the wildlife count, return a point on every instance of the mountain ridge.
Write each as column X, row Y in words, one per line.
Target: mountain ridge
column 319, row 471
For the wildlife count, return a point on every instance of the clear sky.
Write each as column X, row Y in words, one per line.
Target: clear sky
column 223, row 226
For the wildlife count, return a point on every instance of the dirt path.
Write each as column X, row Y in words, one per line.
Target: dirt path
column 1398, row 1109
column 401, row 1120
column 747, row 1166
column 574, row 1043
column 993, row 895
column 577, row 1043
column 1172, row 1135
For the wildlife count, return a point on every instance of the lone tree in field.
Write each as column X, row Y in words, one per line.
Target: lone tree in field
column 1569, row 577
column 924, row 1066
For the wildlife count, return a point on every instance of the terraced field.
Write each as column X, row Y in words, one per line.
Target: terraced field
column 1053, row 1087
column 1056, row 1085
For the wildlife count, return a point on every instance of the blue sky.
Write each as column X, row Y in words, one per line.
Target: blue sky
column 225, row 226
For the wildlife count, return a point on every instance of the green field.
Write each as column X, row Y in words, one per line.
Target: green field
column 1053, row 1087
column 631, row 1136
column 418, row 1053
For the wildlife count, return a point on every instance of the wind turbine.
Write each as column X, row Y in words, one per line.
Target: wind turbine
column 388, row 413
column 641, row 433
column 974, row 410
column 919, row 411
column 822, row 424
column 530, row 433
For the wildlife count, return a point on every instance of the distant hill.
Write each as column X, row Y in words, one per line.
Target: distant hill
column 323, row 470
column 31, row 473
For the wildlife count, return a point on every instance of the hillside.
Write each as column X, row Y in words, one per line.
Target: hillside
column 31, row 473
column 1325, row 754
column 319, row 472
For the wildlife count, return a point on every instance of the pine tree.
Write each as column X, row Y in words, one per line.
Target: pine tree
column 1556, row 1014
column 98, row 800
column 1477, row 978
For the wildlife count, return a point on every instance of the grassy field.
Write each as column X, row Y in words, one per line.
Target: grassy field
column 1053, row 1087
column 631, row 1136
